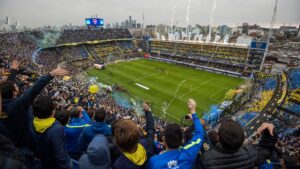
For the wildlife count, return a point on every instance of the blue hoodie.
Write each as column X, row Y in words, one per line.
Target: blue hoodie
column 97, row 156
column 73, row 131
column 183, row 157
column 90, row 132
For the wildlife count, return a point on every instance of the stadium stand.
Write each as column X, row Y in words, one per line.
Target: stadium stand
column 245, row 118
column 213, row 116
column 40, row 111
column 217, row 57
column 292, row 104
column 267, row 87
column 294, row 80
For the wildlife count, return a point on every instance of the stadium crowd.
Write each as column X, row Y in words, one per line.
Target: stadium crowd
column 48, row 122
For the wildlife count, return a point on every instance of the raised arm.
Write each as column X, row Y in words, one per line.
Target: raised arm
column 194, row 145
column 266, row 145
column 150, row 129
column 29, row 95
column 14, row 70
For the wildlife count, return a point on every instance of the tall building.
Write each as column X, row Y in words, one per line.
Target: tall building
column 223, row 30
column 130, row 22
column 126, row 24
column 245, row 28
column 134, row 24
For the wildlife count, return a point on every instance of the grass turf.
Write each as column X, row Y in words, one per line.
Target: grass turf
column 169, row 89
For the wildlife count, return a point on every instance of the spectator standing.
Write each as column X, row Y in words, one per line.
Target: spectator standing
column 79, row 120
column 176, row 157
column 230, row 154
column 134, row 151
column 98, row 127
column 49, row 136
column 97, row 155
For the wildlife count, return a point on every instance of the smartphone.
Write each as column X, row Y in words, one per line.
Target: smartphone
column 187, row 117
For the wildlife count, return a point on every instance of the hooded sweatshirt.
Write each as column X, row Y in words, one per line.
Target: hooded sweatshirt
column 49, row 145
column 97, row 156
column 90, row 132
column 41, row 125
column 73, row 131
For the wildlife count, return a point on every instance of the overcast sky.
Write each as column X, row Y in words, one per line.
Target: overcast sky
column 35, row 13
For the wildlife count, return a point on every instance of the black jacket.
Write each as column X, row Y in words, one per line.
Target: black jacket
column 247, row 157
column 19, row 116
column 50, row 148
column 11, row 157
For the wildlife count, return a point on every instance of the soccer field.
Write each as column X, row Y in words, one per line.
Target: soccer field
column 168, row 86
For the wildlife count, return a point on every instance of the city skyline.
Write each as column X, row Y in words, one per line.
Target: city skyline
column 32, row 13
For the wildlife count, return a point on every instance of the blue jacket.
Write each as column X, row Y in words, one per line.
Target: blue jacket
column 50, row 148
column 98, row 154
column 90, row 132
column 183, row 157
column 19, row 115
column 73, row 131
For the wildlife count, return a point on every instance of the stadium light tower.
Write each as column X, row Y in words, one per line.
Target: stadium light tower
column 270, row 33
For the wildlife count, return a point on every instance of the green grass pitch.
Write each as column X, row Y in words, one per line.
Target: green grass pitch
column 169, row 89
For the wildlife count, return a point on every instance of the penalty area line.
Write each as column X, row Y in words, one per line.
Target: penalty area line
column 142, row 86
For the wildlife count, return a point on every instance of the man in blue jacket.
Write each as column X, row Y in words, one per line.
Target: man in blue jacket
column 48, row 134
column 97, row 127
column 177, row 157
column 79, row 120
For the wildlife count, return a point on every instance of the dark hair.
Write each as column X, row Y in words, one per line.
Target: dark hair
column 173, row 136
column 100, row 115
column 126, row 134
column 62, row 116
column 43, row 107
column 213, row 136
column 91, row 112
column 7, row 89
column 75, row 112
column 231, row 135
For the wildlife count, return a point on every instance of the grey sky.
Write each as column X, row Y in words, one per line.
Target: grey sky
column 231, row 12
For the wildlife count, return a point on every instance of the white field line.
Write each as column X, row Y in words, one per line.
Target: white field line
column 211, row 97
column 142, row 86
column 195, row 88
column 175, row 95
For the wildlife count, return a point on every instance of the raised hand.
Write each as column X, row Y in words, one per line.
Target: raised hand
column 264, row 126
column 15, row 64
column 192, row 106
column 59, row 72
